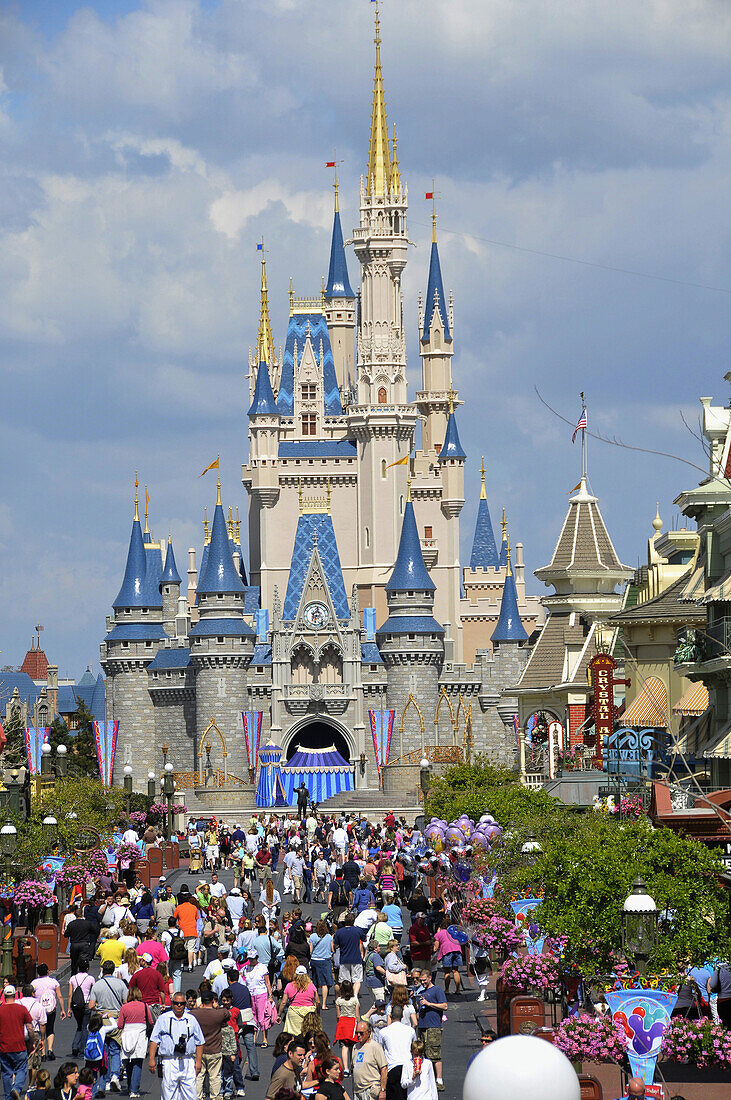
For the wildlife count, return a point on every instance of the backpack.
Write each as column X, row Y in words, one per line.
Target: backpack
column 78, row 1000
column 340, row 892
column 229, row 1046
column 178, row 951
column 94, row 1049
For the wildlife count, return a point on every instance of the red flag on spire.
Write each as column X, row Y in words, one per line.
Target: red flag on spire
column 329, row 163
column 429, row 195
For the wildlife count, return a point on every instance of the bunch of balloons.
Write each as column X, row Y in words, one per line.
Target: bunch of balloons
column 460, row 837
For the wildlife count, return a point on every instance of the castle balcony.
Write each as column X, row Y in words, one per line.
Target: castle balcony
column 301, row 698
column 429, row 551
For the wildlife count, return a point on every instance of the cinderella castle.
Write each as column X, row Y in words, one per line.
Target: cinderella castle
column 357, row 627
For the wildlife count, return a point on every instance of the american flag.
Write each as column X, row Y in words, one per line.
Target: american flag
column 581, row 426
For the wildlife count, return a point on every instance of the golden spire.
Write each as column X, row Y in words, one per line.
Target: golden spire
column 238, row 526
column 230, row 522
column 137, row 502
column 291, row 296
column 395, row 173
column 504, row 525
column 329, row 495
column 450, row 397
column 483, row 494
column 408, row 488
column 322, row 293
column 508, row 570
column 218, row 491
column 336, row 186
column 206, row 536
column 265, row 352
column 378, row 181
column 147, row 501
column 433, row 214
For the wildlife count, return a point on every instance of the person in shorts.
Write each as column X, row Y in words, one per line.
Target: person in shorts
column 432, row 1006
column 449, row 953
column 349, row 940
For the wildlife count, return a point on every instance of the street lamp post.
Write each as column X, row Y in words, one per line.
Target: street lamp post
column 8, row 846
column 639, row 925
column 61, row 761
column 168, row 787
column 46, row 751
column 531, row 849
column 128, row 784
column 151, row 785
column 424, row 776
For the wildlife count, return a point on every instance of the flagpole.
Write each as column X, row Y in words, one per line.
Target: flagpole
column 583, row 441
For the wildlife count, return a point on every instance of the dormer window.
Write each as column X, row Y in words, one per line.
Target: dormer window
column 309, row 391
column 382, row 395
column 309, row 424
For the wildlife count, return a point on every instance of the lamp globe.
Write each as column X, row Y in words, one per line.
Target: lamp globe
column 520, row 1066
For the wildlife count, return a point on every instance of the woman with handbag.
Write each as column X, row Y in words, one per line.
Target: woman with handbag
column 134, row 1021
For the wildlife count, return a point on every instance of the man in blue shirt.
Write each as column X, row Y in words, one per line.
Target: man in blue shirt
column 432, row 1005
column 350, row 942
column 241, row 999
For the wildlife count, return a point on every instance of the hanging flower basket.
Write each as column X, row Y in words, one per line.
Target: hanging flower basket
column 34, row 894
column 591, row 1039
column 700, row 1043
column 530, row 973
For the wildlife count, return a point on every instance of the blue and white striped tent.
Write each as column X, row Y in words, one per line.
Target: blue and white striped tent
column 323, row 771
column 269, row 790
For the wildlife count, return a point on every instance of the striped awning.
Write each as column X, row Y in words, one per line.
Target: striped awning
column 722, row 749
column 693, row 736
column 720, row 592
column 650, row 708
column 694, row 701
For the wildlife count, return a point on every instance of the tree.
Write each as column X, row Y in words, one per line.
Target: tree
column 478, row 788
column 58, row 734
column 14, row 754
column 84, row 743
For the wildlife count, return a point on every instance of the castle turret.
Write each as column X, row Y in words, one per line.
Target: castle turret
column 170, row 590
column 339, row 305
column 509, row 629
column 484, row 553
column 448, row 570
column 133, row 638
column 221, row 647
column 435, row 324
column 411, row 641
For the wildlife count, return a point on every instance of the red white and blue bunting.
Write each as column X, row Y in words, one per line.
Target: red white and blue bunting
column 382, row 729
column 105, row 736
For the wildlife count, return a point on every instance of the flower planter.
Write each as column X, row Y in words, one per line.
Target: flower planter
column 688, row 1073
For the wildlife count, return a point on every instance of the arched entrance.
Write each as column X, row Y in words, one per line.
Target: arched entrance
column 316, row 734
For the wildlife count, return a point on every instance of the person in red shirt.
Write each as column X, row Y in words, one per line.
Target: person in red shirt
column 150, row 983
column 14, row 1019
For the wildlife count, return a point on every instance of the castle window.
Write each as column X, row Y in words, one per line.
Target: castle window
column 427, row 532
column 409, row 593
column 412, row 637
column 144, row 610
column 374, row 668
column 43, row 716
column 309, row 391
column 401, row 505
column 382, row 395
column 125, row 645
column 383, row 467
column 260, row 669
column 220, row 639
column 367, row 537
column 309, row 424
column 148, row 645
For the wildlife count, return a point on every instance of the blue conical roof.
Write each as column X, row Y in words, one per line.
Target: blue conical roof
column 435, row 296
column 170, row 573
column 484, row 551
column 409, row 572
column 133, row 593
column 509, row 627
column 338, row 283
column 451, row 448
column 220, row 574
column 263, row 403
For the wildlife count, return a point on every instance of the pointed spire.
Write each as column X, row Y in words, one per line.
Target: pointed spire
column 504, row 544
column 238, row 526
column 378, row 180
column 265, row 351
column 137, row 500
column 409, row 572
column 657, row 522
column 509, row 628
column 395, row 172
column 435, row 298
column 219, row 574
column 230, row 522
column 338, row 283
column 147, row 505
column 484, row 551
column 452, row 447
column 263, row 403
column 170, row 573
column 206, row 536
column 133, row 592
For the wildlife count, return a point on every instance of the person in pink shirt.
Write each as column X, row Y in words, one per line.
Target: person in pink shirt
column 47, row 990
column 448, row 951
column 154, row 948
column 36, row 1009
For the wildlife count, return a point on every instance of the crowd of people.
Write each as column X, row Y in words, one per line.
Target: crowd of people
column 348, row 997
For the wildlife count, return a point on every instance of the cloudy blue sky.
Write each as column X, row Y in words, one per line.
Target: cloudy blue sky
column 145, row 147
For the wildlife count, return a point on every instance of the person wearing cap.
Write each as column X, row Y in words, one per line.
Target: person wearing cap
column 165, row 905
column 179, row 1067
column 14, row 1019
column 160, row 888
column 215, row 966
column 149, row 981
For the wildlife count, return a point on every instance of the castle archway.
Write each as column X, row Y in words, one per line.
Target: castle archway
column 318, row 733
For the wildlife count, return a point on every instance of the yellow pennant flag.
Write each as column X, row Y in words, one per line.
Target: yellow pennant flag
column 400, row 462
column 574, row 489
column 213, row 466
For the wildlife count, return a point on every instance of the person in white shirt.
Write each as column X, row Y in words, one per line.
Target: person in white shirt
column 396, row 1040
column 218, row 890
column 418, row 1075
column 235, row 905
column 340, row 840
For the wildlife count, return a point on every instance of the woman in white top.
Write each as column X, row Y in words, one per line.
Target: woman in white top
column 270, row 900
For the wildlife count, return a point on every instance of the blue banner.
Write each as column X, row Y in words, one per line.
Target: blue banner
column 534, row 938
column 643, row 1014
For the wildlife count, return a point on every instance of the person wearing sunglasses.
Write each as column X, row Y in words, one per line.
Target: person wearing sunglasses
column 486, row 1038
column 178, row 1037
column 370, row 1068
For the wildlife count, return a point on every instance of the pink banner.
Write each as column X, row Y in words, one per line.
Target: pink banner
column 105, row 736
column 252, row 735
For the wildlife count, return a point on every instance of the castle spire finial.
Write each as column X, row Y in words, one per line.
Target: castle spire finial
column 137, row 500
column 657, row 522
column 336, row 186
column 408, row 488
column 507, row 565
column 205, row 526
column 218, row 491
column 433, row 214
column 395, row 170
column 147, row 504
column 450, row 397
column 238, row 526
column 265, row 352
column 504, row 525
column 379, row 160
column 483, row 491
column 291, row 296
